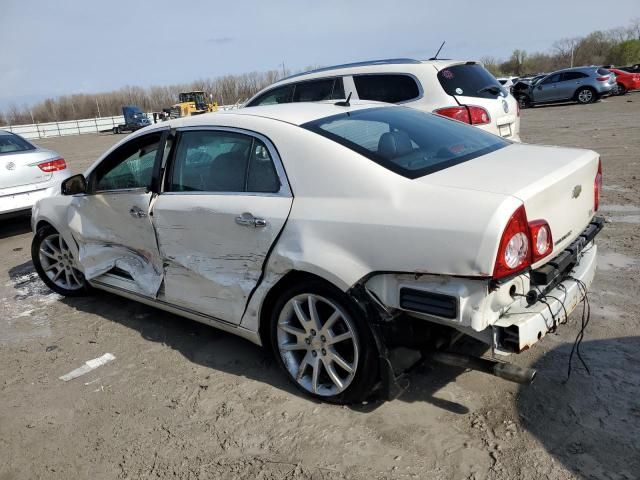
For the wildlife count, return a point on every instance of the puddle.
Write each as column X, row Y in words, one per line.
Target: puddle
column 620, row 208
column 614, row 261
column 626, row 219
column 24, row 301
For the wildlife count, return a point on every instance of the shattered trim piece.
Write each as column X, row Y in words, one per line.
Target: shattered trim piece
column 88, row 366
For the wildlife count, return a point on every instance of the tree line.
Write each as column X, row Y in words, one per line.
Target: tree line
column 618, row 46
column 225, row 90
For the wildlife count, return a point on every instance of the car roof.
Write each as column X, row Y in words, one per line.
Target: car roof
column 296, row 113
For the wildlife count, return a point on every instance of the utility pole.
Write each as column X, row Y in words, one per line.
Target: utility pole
column 283, row 70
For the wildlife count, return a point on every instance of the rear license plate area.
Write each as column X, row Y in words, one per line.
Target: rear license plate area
column 505, row 130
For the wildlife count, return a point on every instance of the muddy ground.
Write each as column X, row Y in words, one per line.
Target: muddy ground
column 182, row 400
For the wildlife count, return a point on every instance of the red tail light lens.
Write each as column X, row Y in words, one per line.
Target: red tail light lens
column 53, row 165
column 541, row 240
column 602, row 79
column 597, row 187
column 466, row 113
column 514, row 252
column 457, row 113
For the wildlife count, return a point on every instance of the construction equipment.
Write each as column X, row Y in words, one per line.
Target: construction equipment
column 191, row 103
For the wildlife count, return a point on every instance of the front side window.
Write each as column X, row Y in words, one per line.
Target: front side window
column 407, row 141
column 318, row 90
column 551, row 79
column 220, row 161
column 130, row 166
column 13, row 143
column 275, row 96
column 392, row 88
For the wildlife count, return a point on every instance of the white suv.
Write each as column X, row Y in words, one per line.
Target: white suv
column 464, row 91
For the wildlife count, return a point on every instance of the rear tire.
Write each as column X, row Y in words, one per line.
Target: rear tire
column 621, row 90
column 56, row 265
column 323, row 343
column 116, row 130
column 585, row 96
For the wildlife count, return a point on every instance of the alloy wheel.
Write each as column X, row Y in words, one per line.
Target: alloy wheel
column 585, row 96
column 318, row 344
column 58, row 263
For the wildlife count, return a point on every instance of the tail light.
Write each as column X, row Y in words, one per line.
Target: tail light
column 597, row 187
column 514, row 252
column 541, row 240
column 602, row 79
column 53, row 165
column 522, row 244
column 470, row 114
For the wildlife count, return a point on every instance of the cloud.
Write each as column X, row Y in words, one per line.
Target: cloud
column 220, row 40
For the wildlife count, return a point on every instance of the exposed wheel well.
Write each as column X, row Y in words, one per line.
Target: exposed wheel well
column 43, row 223
column 291, row 278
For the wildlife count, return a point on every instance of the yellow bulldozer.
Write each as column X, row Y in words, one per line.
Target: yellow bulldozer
column 191, row 103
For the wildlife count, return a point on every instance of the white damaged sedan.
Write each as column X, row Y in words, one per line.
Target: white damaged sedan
column 332, row 233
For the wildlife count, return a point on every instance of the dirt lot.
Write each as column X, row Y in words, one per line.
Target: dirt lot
column 185, row 401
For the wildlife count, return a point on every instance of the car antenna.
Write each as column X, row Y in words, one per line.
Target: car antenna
column 346, row 102
column 435, row 57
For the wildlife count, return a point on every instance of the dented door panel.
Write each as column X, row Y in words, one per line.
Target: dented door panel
column 213, row 260
column 110, row 236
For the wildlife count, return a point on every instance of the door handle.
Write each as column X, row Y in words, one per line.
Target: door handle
column 137, row 212
column 248, row 220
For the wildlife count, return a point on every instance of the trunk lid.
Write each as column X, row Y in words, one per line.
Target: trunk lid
column 555, row 184
column 21, row 168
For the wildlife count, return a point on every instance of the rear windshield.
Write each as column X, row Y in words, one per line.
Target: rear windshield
column 470, row 80
column 12, row 143
column 407, row 141
column 603, row 71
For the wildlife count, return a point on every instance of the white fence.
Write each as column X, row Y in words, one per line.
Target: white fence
column 75, row 127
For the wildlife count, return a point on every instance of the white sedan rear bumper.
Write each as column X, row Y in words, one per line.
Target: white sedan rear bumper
column 19, row 199
column 522, row 325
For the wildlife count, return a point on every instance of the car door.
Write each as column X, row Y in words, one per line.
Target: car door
column 546, row 90
column 111, row 222
column 224, row 203
column 570, row 82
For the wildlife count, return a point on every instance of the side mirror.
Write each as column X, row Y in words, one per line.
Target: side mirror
column 74, row 185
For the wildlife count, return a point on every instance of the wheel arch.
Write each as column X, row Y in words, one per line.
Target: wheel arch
column 289, row 279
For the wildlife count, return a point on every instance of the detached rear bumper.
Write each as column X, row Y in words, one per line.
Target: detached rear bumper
column 524, row 325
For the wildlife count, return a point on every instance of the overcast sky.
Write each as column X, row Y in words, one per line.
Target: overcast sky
column 53, row 48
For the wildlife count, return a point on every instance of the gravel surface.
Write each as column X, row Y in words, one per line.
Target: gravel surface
column 182, row 400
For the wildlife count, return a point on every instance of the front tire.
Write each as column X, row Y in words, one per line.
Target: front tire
column 324, row 344
column 585, row 96
column 621, row 89
column 524, row 101
column 56, row 264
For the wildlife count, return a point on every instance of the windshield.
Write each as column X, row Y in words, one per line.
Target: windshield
column 407, row 141
column 470, row 80
column 12, row 143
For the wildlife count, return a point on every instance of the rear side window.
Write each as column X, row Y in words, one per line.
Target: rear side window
column 317, row 90
column 407, row 141
column 215, row 161
column 573, row 76
column 12, row 143
column 469, row 80
column 386, row 88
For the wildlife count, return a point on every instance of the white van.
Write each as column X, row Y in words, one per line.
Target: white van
column 464, row 91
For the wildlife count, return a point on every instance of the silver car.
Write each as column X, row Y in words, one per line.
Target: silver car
column 27, row 173
column 583, row 85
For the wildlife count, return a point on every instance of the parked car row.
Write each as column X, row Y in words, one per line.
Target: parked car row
column 581, row 84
